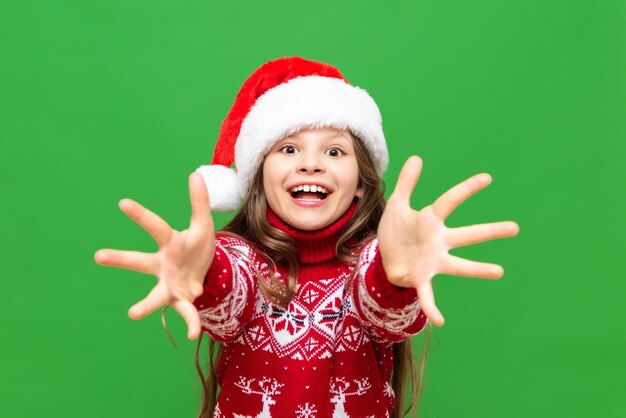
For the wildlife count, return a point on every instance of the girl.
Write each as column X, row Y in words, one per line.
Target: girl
column 316, row 286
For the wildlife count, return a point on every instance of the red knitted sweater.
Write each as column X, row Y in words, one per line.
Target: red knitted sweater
column 329, row 353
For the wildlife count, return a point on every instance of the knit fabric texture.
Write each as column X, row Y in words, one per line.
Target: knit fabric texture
column 329, row 352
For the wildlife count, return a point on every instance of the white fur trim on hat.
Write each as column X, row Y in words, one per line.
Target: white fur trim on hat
column 307, row 102
column 224, row 190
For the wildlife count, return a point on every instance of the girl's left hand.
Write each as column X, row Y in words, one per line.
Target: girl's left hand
column 414, row 244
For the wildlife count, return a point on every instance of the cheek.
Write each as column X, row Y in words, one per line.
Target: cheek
column 267, row 174
column 267, row 189
column 272, row 183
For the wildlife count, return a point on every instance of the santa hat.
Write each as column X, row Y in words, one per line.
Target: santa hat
column 280, row 98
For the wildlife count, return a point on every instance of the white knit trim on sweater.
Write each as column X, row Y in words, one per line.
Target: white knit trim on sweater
column 394, row 321
column 223, row 319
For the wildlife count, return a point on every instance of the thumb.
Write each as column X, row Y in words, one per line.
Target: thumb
column 200, row 206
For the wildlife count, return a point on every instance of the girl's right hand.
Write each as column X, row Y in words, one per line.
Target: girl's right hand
column 181, row 262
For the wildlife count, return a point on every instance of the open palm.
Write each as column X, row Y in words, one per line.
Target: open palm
column 181, row 262
column 414, row 245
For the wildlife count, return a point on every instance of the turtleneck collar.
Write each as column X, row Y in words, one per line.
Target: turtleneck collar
column 314, row 246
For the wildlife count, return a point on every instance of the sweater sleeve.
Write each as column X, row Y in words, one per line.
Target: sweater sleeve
column 228, row 301
column 390, row 312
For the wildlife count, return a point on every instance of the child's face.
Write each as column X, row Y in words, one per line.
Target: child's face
column 323, row 158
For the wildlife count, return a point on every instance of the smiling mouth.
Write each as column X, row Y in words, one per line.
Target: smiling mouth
column 308, row 196
column 309, row 193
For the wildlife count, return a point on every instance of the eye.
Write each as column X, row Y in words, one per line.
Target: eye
column 334, row 152
column 288, row 149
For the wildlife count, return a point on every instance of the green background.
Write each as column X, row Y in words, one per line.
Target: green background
column 102, row 100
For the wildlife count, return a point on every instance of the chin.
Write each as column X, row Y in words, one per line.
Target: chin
column 313, row 225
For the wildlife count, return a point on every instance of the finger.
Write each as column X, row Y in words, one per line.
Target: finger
column 427, row 304
column 457, row 266
column 157, row 297
column 451, row 199
column 130, row 260
column 190, row 314
column 407, row 179
column 148, row 220
column 473, row 234
column 200, row 206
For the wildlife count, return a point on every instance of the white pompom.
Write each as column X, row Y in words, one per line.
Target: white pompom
column 225, row 193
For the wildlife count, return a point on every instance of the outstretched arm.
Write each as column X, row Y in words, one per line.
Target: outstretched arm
column 414, row 244
column 181, row 262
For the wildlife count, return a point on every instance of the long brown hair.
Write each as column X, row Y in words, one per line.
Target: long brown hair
column 251, row 224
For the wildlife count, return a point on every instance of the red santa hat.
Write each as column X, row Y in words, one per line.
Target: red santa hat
column 280, row 98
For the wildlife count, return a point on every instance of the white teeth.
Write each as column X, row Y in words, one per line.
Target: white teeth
column 309, row 188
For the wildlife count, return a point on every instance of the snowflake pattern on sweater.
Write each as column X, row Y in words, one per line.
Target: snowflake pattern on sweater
column 327, row 354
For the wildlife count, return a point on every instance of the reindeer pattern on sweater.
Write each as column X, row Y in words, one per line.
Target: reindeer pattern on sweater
column 327, row 354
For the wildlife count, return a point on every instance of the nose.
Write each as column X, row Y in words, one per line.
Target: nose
column 311, row 164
